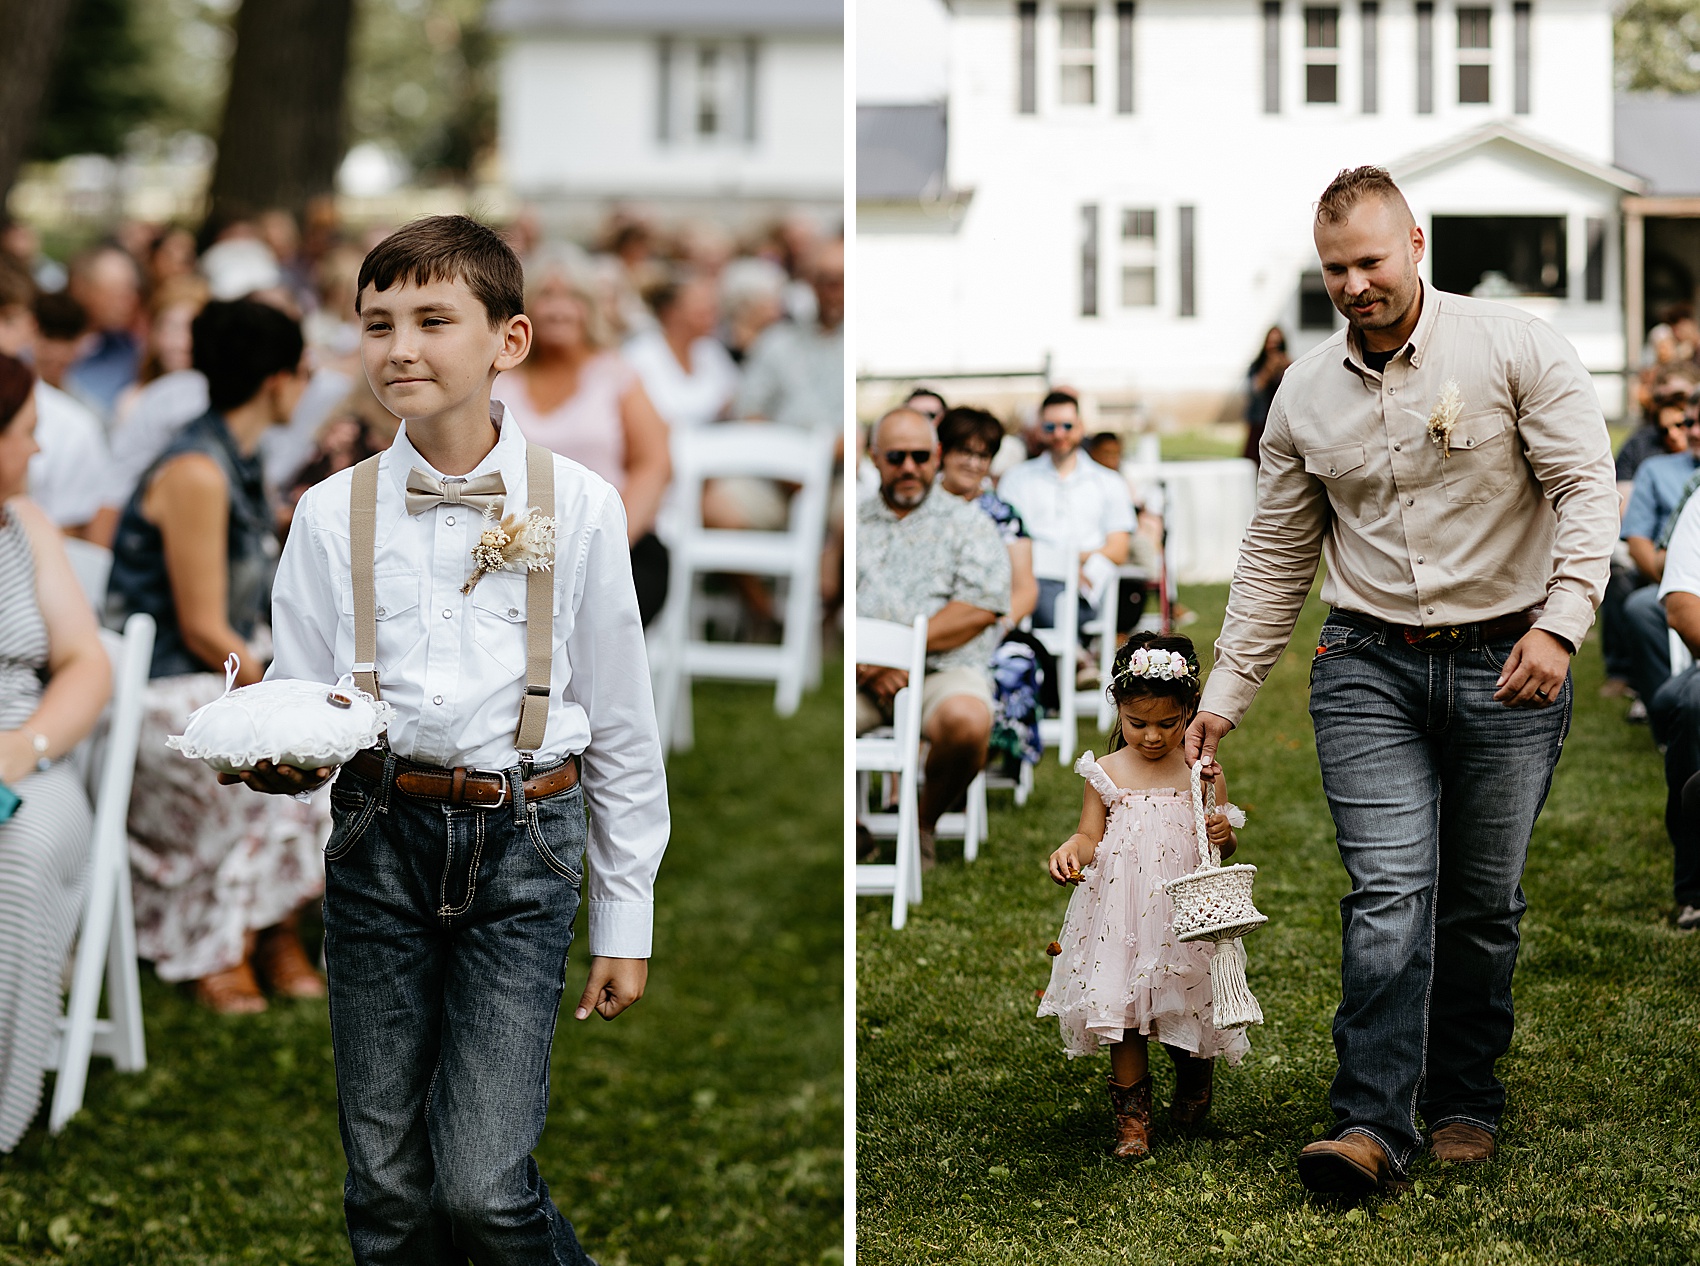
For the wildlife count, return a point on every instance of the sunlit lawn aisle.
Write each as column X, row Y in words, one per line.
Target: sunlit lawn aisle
column 979, row 1142
column 703, row 1127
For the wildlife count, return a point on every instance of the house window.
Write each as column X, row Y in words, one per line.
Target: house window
column 1139, row 258
column 1089, row 260
column 1316, row 309
column 1425, row 56
column 1500, row 256
column 1371, row 16
column 1475, row 48
column 1521, row 22
column 1124, row 57
column 1594, row 283
column 1322, row 56
column 1187, row 270
column 1272, row 56
column 706, row 92
column 1027, row 20
column 1075, row 55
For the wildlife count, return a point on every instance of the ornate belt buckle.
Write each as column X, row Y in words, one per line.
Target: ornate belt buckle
column 1439, row 639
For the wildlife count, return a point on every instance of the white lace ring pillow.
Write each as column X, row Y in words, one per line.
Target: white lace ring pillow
column 302, row 723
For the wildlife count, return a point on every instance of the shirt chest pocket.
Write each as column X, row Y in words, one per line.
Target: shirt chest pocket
column 396, row 612
column 1351, row 491
column 1481, row 457
column 498, row 620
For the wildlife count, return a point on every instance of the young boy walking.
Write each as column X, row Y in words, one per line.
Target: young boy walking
column 459, row 845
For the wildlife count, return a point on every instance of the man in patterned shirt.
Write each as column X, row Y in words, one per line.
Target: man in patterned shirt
column 918, row 554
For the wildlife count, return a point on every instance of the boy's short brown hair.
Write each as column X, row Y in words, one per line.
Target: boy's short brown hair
column 448, row 248
column 1355, row 185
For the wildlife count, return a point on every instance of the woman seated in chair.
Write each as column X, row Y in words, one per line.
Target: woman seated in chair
column 47, row 634
column 220, row 873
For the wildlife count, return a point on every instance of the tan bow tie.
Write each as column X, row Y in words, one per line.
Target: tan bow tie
column 425, row 491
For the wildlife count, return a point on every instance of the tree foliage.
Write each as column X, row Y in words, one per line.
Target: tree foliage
column 103, row 83
column 1658, row 46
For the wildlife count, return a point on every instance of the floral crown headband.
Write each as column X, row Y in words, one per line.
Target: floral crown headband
column 1159, row 665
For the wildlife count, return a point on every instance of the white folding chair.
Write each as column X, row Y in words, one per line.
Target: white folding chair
column 679, row 655
column 93, row 564
column 893, row 749
column 970, row 824
column 106, row 942
column 1061, row 562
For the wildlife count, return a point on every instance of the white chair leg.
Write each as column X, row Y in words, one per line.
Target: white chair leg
column 975, row 829
column 1023, row 784
column 124, row 984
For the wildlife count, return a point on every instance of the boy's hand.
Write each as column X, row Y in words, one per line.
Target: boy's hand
column 1221, row 834
column 614, row 984
column 1074, row 856
column 279, row 780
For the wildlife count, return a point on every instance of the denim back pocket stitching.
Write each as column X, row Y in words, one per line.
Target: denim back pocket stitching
column 352, row 833
column 1350, row 641
column 544, row 851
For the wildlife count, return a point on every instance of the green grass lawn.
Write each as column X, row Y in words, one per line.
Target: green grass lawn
column 978, row 1141
column 704, row 1126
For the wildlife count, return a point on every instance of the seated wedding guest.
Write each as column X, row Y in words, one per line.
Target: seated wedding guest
column 357, row 428
column 795, row 372
column 576, row 395
column 54, row 680
column 968, row 439
column 686, row 372
column 66, row 473
column 1654, row 498
column 1674, row 711
column 1074, row 506
column 934, row 555
column 752, row 293
column 930, row 405
column 171, row 307
column 220, row 875
column 108, row 285
column 61, row 329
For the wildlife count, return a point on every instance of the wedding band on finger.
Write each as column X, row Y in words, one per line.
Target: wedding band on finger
column 1541, row 693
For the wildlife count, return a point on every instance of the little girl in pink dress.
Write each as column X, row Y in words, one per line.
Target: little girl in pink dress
column 1120, row 976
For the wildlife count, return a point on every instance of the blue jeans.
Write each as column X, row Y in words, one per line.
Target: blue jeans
column 1675, row 714
column 1434, row 789
column 1648, row 636
column 446, row 935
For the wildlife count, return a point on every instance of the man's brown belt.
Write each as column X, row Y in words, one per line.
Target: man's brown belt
column 486, row 788
column 1514, row 625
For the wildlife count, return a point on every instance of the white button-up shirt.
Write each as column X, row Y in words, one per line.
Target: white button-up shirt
column 454, row 666
column 1078, row 510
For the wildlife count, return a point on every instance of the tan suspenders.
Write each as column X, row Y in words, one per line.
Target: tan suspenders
column 539, row 593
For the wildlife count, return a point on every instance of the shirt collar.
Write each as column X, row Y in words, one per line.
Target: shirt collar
column 508, row 456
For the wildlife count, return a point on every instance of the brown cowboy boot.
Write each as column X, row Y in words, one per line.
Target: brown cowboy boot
column 1132, row 1105
column 1194, row 1085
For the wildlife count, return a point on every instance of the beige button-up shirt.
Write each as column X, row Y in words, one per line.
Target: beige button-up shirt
column 1519, row 511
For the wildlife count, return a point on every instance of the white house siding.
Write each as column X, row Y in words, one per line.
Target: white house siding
column 1001, row 290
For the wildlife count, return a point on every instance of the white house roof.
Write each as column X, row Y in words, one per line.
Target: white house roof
column 900, row 152
column 740, row 17
column 1657, row 136
column 1490, row 133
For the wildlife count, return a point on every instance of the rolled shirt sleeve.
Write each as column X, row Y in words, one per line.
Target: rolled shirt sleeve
column 624, row 778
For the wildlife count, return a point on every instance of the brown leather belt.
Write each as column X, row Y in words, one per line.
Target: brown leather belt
column 486, row 788
column 1451, row 635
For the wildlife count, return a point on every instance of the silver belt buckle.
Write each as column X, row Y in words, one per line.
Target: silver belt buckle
column 502, row 777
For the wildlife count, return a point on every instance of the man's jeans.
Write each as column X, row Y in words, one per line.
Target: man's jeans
column 446, row 935
column 1434, row 789
column 1648, row 635
column 1675, row 714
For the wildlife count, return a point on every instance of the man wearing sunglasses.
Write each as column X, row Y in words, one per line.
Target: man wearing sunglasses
column 1072, row 506
column 1654, row 500
column 938, row 556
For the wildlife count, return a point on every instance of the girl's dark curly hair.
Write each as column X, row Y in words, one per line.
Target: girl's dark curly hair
column 1125, row 686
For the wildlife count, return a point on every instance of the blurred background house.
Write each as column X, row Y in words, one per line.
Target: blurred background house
column 1118, row 195
column 732, row 108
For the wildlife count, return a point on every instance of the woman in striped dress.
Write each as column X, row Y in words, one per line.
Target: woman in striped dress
column 47, row 633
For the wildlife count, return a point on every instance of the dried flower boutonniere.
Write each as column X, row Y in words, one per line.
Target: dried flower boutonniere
column 514, row 544
column 1445, row 416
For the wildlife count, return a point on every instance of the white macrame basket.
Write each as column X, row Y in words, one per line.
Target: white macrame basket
column 1214, row 904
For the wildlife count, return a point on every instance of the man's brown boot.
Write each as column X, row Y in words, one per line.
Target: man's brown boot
column 1194, row 1084
column 1461, row 1143
column 1354, row 1165
column 1133, row 1119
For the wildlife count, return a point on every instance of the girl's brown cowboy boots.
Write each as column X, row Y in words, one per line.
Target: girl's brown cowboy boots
column 1132, row 1105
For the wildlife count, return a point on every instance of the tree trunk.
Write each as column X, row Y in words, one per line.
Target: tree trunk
column 32, row 32
column 281, row 139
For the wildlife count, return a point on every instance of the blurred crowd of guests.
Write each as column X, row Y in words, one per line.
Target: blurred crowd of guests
column 168, row 397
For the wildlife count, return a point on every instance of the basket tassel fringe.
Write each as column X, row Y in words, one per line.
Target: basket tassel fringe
column 1232, row 1002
